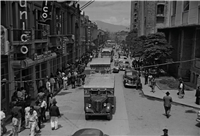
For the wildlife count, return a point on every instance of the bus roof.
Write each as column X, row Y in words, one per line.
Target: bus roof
column 100, row 81
column 100, row 61
column 106, row 49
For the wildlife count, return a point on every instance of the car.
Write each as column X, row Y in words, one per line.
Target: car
column 131, row 79
column 124, row 65
column 198, row 117
column 89, row 132
column 116, row 70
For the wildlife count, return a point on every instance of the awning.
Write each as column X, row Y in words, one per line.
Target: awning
column 180, row 26
column 42, row 58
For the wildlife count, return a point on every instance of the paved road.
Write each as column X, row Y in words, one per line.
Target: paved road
column 146, row 116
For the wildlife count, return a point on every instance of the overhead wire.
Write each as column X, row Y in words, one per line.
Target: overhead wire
column 87, row 4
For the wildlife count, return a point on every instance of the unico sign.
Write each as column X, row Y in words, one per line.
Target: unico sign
column 46, row 10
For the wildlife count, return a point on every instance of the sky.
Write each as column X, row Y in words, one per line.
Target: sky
column 110, row 11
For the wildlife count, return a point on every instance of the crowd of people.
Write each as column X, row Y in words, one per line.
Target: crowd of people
column 32, row 114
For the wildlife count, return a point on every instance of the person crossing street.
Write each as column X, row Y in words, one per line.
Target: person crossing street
column 167, row 104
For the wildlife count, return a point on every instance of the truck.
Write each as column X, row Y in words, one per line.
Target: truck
column 99, row 96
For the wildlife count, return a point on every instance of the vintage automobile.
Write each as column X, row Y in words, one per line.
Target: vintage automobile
column 99, row 98
column 124, row 65
column 89, row 132
column 116, row 69
column 131, row 79
column 198, row 117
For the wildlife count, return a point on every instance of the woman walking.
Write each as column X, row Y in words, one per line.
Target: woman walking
column 181, row 88
column 33, row 121
column 54, row 114
column 153, row 84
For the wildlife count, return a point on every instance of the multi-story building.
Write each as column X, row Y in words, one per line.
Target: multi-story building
column 38, row 39
column 183, row 33
column 148, row 16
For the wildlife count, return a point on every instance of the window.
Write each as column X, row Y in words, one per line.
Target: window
column 174, row 8
column 160, row 10
column 186, row 5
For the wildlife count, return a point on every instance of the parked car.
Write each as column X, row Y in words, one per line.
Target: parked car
column 131, row 78
column 89, row 132
column 198, row 117
column 116, row 69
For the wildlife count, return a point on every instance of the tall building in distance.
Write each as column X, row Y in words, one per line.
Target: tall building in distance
column 148, row 16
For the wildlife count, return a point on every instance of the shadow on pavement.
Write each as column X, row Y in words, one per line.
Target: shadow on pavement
column 63, row 93
column 190, row 111
column 198, row 125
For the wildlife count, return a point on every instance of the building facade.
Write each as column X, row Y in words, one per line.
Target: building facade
column 148, row 16
column 38, row 38
column 183, row 33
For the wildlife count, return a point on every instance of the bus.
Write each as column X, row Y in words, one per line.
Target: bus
column 100, row 65
column 107, row 53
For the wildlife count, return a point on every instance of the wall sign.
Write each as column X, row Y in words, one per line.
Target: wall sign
column 46, row 11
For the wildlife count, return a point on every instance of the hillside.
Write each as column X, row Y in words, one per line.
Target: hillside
column 110, row 27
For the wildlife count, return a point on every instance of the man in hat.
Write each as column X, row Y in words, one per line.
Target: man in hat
column 167, row 104
column 165, row 131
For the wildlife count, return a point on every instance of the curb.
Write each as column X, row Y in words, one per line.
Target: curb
column 175, row 103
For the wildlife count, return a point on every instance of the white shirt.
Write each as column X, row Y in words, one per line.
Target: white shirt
column 48, row 85
column 27, row 109
column 2, row 115
column 65, row 78
column 43, row 104
column 181, row 85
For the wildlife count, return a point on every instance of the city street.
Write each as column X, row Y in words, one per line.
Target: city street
column 135, row 115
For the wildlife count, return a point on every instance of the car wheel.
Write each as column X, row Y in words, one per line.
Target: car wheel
column 124, row 84
column 86, row 117
column 109, row 116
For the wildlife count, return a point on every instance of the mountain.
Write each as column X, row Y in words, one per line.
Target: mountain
column 110, row 27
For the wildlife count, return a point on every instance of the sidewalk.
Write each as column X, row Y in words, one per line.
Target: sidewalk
column 8, row 123
column 188, row 100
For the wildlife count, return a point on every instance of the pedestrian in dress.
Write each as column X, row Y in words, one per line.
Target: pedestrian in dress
column 167, row 104
column 15, row 123
column 198, row 95
column 65, row 82
column 54, row 114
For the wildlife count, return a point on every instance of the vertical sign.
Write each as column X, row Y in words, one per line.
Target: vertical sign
column 46, row 12
column 23, row 15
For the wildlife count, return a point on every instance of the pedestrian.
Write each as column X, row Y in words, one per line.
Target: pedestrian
column 146, row 74
column 153, row 84
column 73, row 80
column 48, row 85
column 165, row 131
column 65, row 82
column 17, row 110
column 27, row 109
column 181, row 89
column 3, row 127
column 33, row 121
column 43, row 106
column 52, row 99
column 52, row 81
column 83, row 76
column 149, row 78
column 38, row 110
column 198, row 95
column 15, row 124
column 54, row 114
column 167, row 104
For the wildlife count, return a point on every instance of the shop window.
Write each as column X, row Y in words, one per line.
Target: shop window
column 186, row 5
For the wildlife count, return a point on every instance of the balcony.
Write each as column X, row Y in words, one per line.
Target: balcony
column 185, row 18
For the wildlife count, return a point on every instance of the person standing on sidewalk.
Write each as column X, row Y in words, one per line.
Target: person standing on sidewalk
column 52, row 81
column 198, row 95
column 33, row 121
column 27, row 109
column 146, row 74
column 167, row 104
column 181, row 88
column 17, row 110
column 54, row 114
column 43, row 110
column 153, row 84
column 65, row 82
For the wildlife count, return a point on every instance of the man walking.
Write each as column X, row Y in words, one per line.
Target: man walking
column 54, row 114
column 167, row 104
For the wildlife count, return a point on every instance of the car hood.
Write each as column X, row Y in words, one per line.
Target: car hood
column 98, row 98
column 88, row 132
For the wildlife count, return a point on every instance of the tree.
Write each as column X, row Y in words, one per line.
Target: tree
column 156, row 46
column 130, row 39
